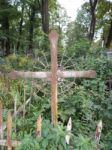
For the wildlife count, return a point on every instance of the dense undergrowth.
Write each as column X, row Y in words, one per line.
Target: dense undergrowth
column 84, row 100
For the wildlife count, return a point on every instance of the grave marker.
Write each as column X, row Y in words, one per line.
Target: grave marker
column 52, row 76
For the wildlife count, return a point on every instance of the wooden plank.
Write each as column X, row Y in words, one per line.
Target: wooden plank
column 47, row 75
column 1, row 121
column 53, row 36
column 25, row 75
column 69, row 128
column 14, row 143
column 39, row 126
column 9, row 130
column 98, row 134
column 78, row 74
column 9, row 143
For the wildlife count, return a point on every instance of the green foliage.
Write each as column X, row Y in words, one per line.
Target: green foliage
column 104, row 15
column 84, row 143
column 87, row 101
column 78, row 31
column 52, row 138
column 80, row 47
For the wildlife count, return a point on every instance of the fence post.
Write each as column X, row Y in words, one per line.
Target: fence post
column 98, row 134
column 9, row 131
column 39, row 126
column 1, row 124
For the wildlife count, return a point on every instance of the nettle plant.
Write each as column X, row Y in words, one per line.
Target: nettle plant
column 54, row 138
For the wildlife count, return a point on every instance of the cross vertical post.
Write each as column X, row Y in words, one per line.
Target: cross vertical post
column 53, row 36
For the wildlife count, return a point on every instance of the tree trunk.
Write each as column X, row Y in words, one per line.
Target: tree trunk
column 5, row 26
column 20, row 29
column 45, row 23
column 3, row 46
column 31, row 30
column 92, row 27
column 109, row 38
column 45, row 16
column 93, row 4
column 7, row 52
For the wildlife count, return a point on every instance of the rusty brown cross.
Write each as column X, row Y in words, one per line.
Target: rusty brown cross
column 53, row 75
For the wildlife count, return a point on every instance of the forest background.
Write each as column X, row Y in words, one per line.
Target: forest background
column 24, row 45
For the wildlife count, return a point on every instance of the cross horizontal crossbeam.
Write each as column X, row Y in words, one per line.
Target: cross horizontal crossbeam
column 47, row 75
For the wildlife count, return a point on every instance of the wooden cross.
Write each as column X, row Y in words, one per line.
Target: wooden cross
column 53, row 75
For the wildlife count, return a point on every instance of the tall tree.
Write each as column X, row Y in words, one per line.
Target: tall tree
column 109, row 37
column 45, row 16
column 79, row 29
column 31, row 29
column 104, row 21
column 93, row 4
column 34, row 8
column 20, row 26
column 8, row 18
column 4, row 21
